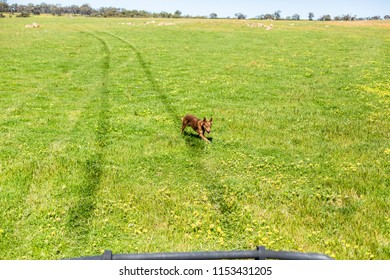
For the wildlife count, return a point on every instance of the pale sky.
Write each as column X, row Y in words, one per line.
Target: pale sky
column 251, row 8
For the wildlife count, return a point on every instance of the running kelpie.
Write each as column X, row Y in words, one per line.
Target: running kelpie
column 200, row 126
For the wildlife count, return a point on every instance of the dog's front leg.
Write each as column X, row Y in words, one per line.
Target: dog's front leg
column 201, row 135
column 200, row 132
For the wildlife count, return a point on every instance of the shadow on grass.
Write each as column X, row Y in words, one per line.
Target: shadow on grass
column 165, row 99
column 193, row 139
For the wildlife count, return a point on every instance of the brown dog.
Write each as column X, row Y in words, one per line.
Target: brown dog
column 200, row 126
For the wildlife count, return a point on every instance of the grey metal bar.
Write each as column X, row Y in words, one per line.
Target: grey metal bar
column 284, row 255
column 259, row 254
column 189, row 256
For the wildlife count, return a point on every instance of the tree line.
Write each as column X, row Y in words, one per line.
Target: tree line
column 277, row 16
column 87, row 10
column 83, row 10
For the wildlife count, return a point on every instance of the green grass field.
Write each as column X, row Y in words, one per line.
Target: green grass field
column 92, row 158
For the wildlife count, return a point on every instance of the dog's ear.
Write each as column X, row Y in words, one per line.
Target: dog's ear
column 211, row 120
column 204, row 119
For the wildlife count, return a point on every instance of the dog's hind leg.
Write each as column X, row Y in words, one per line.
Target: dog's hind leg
column 183, row 125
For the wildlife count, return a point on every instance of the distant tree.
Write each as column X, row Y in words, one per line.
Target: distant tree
column 387, row 17
column 4, row 6
column 56, row 10
column 325, row 18
column 13, row 8
column 86, row 10
column 23, row 14
column 375, row 18
column 177, row 14
column 36, row 11
column 311, row 16
column 108, row 12
column 74, row 9
column 277, row 15
column 165, row 15
column 268, row 16
column 345, row 17
column 295, row 17
column 213, row 16
column 240, row 16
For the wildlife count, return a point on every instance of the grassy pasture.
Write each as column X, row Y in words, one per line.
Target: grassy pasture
column 91, row 155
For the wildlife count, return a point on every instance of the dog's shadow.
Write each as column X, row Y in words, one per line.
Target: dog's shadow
column 189, row 138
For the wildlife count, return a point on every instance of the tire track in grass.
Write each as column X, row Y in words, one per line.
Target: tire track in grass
column 217, row 193
column 79, row 215
column 14, row 191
